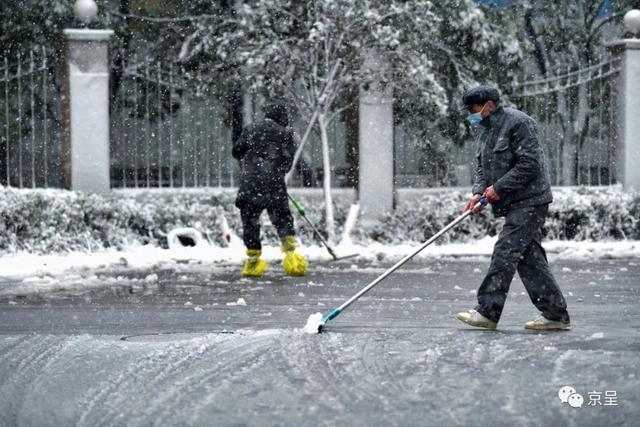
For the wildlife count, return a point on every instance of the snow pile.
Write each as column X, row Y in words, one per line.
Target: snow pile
column 240, row 301
column 185, row 236
column 151, row 278
column 313, row 323
column 35, row 273
column 595, row 336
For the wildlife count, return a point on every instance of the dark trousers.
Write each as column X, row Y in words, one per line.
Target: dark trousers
column 518, row 248
column 280, row 216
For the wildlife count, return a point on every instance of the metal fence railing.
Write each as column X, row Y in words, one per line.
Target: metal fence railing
column 29, row 130
column 168, row 130
column 576, row 112
column 419, row 163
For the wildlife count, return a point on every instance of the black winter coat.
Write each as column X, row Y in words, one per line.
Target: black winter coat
column 265, row 151
column 510, row 157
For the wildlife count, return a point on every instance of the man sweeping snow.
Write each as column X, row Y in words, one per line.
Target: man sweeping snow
column 265, row 151
column 511, row 174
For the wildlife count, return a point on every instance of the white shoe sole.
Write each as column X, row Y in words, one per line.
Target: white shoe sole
column 549, row 327
column 481, row 324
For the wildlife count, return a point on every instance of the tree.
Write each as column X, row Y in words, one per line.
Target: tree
column 185, row 34
column 32, row 22
column 308, row 52
column 563, row 36
column 438, row 50
column 311, row 52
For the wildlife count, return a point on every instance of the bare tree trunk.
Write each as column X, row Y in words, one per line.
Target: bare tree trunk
column 247, row 108
column 580, row 129
column 540, row 52
column 574, row 131
column 351, row 135
column 567, row 151
column 566, row 160
column 326, row 166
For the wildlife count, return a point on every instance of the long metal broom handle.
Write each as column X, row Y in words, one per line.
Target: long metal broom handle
column 452, row 224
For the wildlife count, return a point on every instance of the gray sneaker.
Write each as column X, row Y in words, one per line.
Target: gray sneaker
column 476, row 319
column 541, row 323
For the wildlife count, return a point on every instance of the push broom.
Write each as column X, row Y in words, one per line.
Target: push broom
column 303, row 214
column 316, row 322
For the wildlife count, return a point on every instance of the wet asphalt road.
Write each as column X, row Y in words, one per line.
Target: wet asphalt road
column 179, row 350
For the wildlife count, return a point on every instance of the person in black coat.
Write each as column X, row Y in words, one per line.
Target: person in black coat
column 512, row 175
column 265, row 151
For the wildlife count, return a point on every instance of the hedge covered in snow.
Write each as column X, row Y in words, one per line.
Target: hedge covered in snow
column 44, row 221
column 576, row 214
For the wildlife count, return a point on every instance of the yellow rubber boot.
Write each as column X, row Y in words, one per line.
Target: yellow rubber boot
column 254, row 266
column 294, row 264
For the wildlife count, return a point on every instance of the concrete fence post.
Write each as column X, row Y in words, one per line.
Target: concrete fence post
column 627, row 51
column 375, row 146
column 86, row 111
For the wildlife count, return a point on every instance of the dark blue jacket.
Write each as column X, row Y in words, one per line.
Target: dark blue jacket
column 510, row 157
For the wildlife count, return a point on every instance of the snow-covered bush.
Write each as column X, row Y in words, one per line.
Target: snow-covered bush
column 586, row 214
column 54, row 220
column 43, row 221
column 420, row 219
column 575, row 214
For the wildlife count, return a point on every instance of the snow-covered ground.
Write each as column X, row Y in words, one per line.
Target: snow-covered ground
column 208, row 348
column 283, row 377
column 45, row 272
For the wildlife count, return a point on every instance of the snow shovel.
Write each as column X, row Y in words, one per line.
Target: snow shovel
column 316, row 322
column 302, row 213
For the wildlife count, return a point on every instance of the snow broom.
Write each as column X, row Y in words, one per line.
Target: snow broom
column 316, row 322
column 303, row 214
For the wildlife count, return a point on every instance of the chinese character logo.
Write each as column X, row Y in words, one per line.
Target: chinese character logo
column 568, row 394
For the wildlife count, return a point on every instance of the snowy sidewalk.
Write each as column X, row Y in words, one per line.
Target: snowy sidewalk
column 59, row 269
